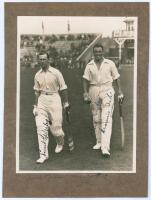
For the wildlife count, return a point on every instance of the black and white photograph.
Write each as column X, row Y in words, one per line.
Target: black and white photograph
column 76, row 94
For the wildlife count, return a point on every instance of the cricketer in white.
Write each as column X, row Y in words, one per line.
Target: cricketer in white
column 98, row 91
column 48, row 106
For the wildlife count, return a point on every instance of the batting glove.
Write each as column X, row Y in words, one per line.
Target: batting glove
column 120, row 98
column 86, row 98
column 66, row 107
column 35, row 111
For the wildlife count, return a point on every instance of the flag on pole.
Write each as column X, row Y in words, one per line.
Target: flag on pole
column 68, row 26
column 43, row 37
column 42, row 27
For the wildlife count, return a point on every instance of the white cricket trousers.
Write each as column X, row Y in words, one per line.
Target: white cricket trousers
column 49, row 116
column 102, row 106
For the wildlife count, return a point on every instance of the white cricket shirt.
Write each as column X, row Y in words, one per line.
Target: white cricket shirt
column 106, row 74
column 49, row 81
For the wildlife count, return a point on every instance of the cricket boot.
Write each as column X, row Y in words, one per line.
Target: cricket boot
column 60, row 143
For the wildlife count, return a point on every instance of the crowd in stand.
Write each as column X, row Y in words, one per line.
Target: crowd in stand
column 62, row 58
column 66, row 55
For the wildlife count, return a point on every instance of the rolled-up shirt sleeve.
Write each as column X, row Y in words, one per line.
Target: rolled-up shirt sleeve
column 114, row 72
column 36, row 85
column 86, row 74
column 62, row 84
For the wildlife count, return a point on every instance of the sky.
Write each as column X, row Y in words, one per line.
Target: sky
column 59, row 24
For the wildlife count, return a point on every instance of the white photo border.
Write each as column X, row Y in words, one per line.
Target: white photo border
column 18, row 171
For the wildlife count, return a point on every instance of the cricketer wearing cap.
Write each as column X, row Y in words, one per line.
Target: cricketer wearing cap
column 98, row 91
column 47, row 110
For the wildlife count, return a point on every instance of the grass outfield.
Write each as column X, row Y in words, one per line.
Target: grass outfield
column 84, row 157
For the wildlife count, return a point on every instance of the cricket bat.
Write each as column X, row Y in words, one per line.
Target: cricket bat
column 69, row 133
column 122, row 126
